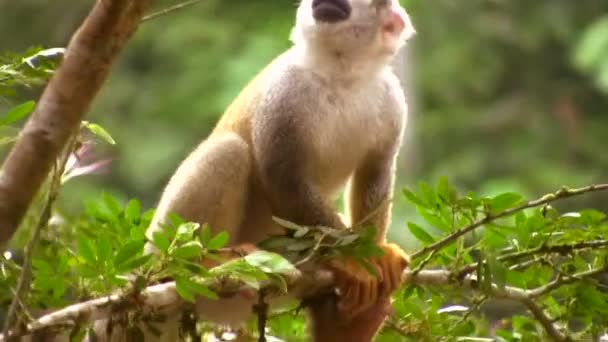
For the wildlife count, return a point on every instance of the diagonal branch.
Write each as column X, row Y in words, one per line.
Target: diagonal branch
column 545, row 321
column 65, row 100
column 563, row 280
column 563, row 248
column 560, row 194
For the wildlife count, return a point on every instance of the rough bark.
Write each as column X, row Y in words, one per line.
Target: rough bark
column 65, row 100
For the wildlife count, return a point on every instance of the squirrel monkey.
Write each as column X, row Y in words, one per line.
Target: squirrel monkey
column 327, row 112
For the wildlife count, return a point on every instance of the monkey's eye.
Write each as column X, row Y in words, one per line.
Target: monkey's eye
column 381, row 3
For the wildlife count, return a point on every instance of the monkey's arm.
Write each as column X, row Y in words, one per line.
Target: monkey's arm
column 371, row 189
column 364, row 302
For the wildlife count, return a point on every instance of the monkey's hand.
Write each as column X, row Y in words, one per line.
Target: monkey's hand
column 359, row 290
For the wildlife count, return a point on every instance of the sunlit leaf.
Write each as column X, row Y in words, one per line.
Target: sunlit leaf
column 270, row 262
column 128, row 250
column 17, row 113
column 132, row 211
column 414, row 199
column 420, row 233
column 189, row 250
column 218, row 241
column 100, row 132
column 505, row 201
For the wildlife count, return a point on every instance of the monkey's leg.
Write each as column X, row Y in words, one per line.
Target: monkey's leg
column 210, row 186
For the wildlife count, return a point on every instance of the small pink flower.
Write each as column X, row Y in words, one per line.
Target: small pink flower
column 81, row 162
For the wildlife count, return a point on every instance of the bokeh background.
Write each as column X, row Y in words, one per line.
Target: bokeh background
column 505, row 95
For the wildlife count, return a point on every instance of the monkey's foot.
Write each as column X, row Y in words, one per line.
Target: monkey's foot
column 359, row 289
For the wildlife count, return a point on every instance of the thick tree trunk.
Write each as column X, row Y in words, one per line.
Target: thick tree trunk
column 86, row 65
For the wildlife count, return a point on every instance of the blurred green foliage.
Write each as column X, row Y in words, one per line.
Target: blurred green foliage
column 505, row 95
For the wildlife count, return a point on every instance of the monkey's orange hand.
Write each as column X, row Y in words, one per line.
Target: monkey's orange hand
column 359, row 290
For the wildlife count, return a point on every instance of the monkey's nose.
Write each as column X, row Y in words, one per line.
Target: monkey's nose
column 331, row 11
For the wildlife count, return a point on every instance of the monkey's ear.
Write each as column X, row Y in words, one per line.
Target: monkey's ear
column 396, row 26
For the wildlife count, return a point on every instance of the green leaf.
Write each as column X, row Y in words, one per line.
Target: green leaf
column 348, row 239
column 499, row 272
column 504, row 201
column 189, row 250
column 277, row 242
column 300, row 245
column 445, row 191
column 218, row 241
column 86, row 250
column 127, row 251
column 42, row 266
column 17, row 113
column 185, row 230
column 160, row 240
column 104, row 248
column 111, row 204
column 184, row 290
column 591, row 216
column 286, row 224
column 199, row 288
column 485, row 274
column 270, row 262
column 100, row 132
column 434, row 220
column 133, row 210
column 420, row 233
column 301, row 232
column 414, row 199
column 134, row 263
column 409, row 291
column 428, row 194
column 205, row 234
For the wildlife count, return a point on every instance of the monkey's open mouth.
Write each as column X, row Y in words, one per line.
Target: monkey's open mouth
column 330, row 11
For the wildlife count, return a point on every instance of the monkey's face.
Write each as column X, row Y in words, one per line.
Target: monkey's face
column 362, row 27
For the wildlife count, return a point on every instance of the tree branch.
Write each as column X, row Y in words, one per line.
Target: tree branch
column 26, row 273
column 560, row 194
column 562, row 280
column 564, row 248
column 165, row 297
column 170, row 9
column 66, row 98
column 545, row 321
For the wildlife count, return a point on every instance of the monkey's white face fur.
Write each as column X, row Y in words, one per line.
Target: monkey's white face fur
column 371, row 28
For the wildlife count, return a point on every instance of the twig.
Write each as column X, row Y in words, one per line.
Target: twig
column 545, row 321
column 373, row 212
column 543, row 249
column 261, row 309
column 560, row 194
column 565, row 280
column 555, row 249
column 169, row 9
column 23, row 283
column 313, row 251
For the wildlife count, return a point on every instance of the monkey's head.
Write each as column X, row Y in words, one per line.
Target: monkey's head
column 367, row 28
